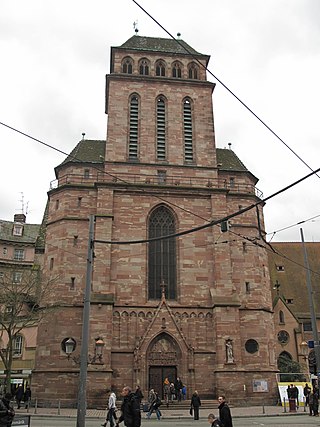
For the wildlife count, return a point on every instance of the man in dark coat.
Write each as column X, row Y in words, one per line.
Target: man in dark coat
column 130, row 409
column 224, row 412
column 6, row 411
column 178, row 388
column 19, row 395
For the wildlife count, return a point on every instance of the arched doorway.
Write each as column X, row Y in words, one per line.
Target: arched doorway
column 163, row 361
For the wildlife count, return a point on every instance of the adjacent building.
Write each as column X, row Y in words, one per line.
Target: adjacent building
column 21, row 248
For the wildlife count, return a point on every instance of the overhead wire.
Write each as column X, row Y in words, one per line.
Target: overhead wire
column 225, row 86
column 290, row 226
column 123, row 181
column 213, row 222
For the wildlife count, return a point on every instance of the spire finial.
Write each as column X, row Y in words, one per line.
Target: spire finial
column 135, row 26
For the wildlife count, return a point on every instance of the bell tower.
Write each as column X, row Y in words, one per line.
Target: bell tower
column 159, row 106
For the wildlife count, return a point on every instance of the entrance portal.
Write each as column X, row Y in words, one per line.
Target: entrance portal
column 163, row 361
column 157, row 375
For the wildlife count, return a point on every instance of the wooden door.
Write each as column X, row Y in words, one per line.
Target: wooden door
column 157, row 374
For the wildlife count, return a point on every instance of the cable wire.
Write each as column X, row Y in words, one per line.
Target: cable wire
column 211, row 223
column 225, row 86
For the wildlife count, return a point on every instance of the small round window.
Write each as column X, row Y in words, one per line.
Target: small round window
column 283, row 337
column 252, row 346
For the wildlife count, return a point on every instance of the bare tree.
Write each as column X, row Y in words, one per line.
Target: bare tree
column 24, row 301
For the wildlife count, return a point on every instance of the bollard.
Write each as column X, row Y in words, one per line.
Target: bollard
column 59, row 405
column 284, row 405
column 304, row 404
column 263, row 410
column 36, row 406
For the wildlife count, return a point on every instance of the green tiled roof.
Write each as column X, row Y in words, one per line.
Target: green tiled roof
column 29, row 236
column 228, row 160
column 87, row 151
column 156, row 44
column 93, row 151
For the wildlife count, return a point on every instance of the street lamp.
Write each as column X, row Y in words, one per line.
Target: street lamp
column 70, row 346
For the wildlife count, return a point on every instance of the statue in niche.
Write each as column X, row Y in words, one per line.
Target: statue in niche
column 229, row 351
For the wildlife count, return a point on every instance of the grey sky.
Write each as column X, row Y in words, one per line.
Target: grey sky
column 55, row 54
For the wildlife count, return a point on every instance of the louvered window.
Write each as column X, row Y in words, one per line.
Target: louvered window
column 176, row 70
column 188, row 131
column 161, row 129
column 162, row 254
column 133, row 127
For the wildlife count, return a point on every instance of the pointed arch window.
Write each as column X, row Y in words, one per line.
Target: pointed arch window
column 162, row 254
column 188, row 131
column 144, row 67
column 127, row 65
column 176, row 70
column 160, row 68
column 133, row 127
column 161, row 128
column 281, row 316
column 193, row 71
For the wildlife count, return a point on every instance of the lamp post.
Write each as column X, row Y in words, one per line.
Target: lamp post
column 304, row 352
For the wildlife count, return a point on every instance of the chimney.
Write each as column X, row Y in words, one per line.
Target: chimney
column 19, row 218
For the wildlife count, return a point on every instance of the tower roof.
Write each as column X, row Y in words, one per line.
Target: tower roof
column 157, row 44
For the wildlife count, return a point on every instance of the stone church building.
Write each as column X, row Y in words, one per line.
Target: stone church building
column 195, row 305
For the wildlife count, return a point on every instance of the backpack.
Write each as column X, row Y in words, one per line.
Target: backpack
column 158, row 402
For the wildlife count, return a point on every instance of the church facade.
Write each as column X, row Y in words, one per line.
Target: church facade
column 194, row 305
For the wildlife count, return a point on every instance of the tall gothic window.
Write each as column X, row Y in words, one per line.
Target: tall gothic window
column 133, row 127
column 127, row 65
column 160, row 68
column 188, row 131
column 161, row 128
column 193, row 71
column 144, row 67
column 162, row 254
column 176, row 70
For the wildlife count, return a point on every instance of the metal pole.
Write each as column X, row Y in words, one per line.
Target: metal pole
column 82, row 401
column 311, row 305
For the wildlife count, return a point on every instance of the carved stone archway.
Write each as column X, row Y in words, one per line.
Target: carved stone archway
column 163, row 360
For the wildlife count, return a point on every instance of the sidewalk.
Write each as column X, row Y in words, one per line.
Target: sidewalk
column 174, row 413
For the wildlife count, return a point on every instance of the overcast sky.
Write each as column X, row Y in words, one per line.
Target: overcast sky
column 55, row 54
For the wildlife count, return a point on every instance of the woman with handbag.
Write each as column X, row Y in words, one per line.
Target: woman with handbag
column 195, row 405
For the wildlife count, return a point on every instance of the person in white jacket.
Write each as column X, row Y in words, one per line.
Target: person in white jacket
column 111, row 414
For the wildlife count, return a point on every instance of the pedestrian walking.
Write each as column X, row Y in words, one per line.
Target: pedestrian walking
column 315, row 401
column 130, row 409
column 139, row 394
column 111, row 409
column 306, row 393
column 166, row 391
column 19, row 393
column 295, row 395
column 172, row 392
column 195, row 405
column 155, row 403
column 178, row 388
column 6, row 411
column 27, row 397
column 214, row 421
column 224, row 412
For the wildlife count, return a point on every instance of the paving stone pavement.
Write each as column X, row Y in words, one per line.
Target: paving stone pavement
column 168, row 413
